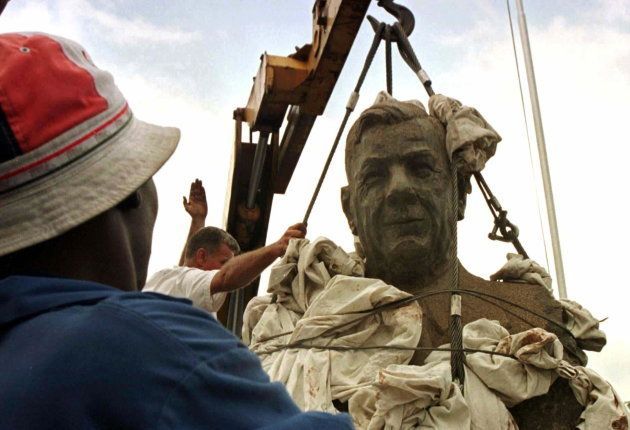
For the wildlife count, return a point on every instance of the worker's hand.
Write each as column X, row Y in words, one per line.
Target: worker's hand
column 296, row 231
column 196, row 205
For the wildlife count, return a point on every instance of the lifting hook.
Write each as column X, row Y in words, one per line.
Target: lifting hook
column 403, row 15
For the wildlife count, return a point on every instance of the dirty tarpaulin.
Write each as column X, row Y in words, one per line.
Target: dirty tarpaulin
column 470, row 139
column 405, row 396
column 578, row 320
column 316, row 291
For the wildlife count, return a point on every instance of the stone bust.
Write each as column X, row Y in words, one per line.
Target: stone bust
column 397, row 202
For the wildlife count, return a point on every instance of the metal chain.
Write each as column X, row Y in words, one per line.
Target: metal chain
column 503, row 230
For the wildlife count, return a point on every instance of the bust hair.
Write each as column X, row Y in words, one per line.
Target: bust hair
column 389, row 113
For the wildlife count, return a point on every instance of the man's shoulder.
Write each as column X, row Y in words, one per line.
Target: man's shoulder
column 176, row 274
column 166, row 273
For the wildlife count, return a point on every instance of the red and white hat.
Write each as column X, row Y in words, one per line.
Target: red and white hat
column 70, row 148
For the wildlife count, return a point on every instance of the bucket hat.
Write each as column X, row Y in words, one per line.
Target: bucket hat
column 70, row 147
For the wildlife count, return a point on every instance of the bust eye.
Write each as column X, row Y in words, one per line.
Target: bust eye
column 420, row 167
column 372, row 175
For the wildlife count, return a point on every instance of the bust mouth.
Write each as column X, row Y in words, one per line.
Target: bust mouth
column 406, row 227
column 404, row 221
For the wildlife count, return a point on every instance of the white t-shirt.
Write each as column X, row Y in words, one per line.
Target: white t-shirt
column 189, row 283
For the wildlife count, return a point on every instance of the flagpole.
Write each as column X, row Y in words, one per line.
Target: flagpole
column 542, row 152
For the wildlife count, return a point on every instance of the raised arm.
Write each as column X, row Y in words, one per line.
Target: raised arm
column 243, row 269
column 197, row 208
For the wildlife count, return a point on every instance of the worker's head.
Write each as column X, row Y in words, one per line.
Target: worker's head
column 76, row 193
column 397, row 199
column 210, row 248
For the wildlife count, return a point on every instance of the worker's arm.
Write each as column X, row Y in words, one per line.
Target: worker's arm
column 197, row 208
column 239, row 271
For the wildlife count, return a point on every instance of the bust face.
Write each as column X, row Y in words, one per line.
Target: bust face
column 398, row 199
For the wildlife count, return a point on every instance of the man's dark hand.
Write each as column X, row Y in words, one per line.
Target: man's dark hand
column 196, row 205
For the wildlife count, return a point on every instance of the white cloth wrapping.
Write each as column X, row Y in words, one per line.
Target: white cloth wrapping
column 315, row 377
column 409, row 397
column 604, row 409
column 539, row 354
column 469, row 137
column 316, row 303
column 518, row 268
column 577, row 319
column 583, row 326
column 405, row 396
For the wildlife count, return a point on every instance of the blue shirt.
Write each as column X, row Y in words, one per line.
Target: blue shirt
column 81, row 355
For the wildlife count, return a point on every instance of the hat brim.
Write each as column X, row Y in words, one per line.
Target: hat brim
column 88, row 187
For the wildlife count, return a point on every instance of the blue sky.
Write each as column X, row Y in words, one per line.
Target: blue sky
column 190, row 64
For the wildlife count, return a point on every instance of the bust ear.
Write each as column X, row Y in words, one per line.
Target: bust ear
column 347, row 208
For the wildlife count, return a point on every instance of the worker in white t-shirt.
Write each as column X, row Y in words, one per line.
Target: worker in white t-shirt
column 210, row 265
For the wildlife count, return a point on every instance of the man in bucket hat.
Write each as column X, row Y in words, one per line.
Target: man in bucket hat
column 79, row 347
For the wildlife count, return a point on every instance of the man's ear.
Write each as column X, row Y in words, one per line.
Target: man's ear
column 200, row 256
column 347, row 208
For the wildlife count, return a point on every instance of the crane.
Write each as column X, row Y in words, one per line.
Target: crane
column 288, row 90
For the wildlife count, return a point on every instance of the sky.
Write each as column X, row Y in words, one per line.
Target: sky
column 190, row 64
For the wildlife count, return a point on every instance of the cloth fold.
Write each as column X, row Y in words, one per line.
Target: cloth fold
column 409, row 397
column 470, row 139
column 583, row 326
column 518, row 268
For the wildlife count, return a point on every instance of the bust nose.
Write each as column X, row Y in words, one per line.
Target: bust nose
column 399, row 189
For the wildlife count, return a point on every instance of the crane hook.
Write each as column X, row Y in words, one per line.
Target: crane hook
column 402, row 14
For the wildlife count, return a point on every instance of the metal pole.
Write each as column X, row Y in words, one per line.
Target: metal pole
column 257, row 168
column 542, row 151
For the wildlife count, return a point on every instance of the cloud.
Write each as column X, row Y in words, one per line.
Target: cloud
column 76, row 18
column 615, row 11
column 137, row 30
column 36, row 15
